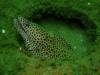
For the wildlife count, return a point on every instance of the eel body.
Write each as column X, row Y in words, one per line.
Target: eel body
column 40, row 43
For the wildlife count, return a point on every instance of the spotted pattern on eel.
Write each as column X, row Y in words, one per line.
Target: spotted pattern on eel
column 40, row 43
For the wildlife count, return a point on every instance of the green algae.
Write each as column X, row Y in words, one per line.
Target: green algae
column 10, row 47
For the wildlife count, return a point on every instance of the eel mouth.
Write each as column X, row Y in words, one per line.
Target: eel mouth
column 22, row 26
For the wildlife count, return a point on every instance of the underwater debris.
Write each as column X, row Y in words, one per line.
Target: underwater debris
column 3, row 31
column 40, row 43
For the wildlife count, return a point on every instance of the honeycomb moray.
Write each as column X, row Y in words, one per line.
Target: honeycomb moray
column 39, row 43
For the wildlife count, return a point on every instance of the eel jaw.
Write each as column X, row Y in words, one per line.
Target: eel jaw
column 21, row 25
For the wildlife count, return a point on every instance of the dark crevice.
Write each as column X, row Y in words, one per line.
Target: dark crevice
column 69, row 16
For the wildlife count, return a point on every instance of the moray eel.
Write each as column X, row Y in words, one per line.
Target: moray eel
column 40, row 43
